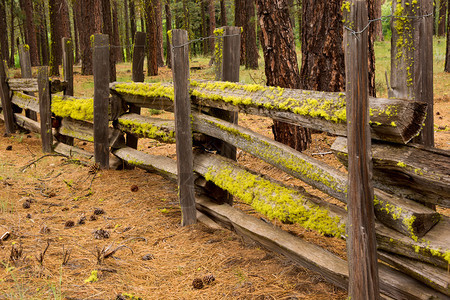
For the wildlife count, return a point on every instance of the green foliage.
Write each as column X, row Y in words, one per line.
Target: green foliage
column 386, row 10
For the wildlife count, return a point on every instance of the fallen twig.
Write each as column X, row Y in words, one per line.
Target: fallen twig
column 36, row 160
column 322, row 153
column 41, row 256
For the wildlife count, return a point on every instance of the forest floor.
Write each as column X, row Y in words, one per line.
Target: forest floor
column 79, row 233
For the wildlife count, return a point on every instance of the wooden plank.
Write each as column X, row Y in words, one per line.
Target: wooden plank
column 146, row 127
column 137, row 76
column 412, row 58
column 67, row 64
column 6, row 99
column 31, row 85
column 25, row 67
column 392, row 120
column 430, row 275
column 361, row 240
column 27, row 123
column 25, row 101
column 100, row 61
column 45, row 109
column 392, row 283
column 180, row 71
column 408, row 171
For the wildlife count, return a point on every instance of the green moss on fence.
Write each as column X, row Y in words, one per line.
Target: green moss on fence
column 75, row 108
column 149, row 130
column 154, row 90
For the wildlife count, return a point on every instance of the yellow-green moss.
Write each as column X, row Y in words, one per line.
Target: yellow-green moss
column 401, row 164
column 149, row 130
column 275, row 201
column 146, row 90
column 93, row 277
column 75, row 108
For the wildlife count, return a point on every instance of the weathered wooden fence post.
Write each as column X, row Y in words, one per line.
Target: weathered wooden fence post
column 137, row 76
column 361, row 241
column 6, row 99
column 100, row 65
column 180, row 71
column 67, row 64
column 25, row 69
column 45, row 110
column 412, row 58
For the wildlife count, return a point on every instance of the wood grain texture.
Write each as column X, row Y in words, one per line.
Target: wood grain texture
column 147, row 127
column 67, row 65
column 26, row 72
column 45, row 110
column 101, row 99
column 6, row 99
column 180, row 71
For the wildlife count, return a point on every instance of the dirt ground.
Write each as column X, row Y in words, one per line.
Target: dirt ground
column 79, row 233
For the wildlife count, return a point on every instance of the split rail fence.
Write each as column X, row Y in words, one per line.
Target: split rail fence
column 412, row 239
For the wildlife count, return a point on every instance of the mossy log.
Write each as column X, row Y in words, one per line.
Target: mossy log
column 85, row 131
column 407, row 171
column 31, row 85
column 147, row 127
column 430, row 275
column 393, row 284
column 391, row 119
column 404, row 215
column 25, row 101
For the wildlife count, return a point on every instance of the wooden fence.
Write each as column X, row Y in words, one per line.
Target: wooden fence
column 413, row 240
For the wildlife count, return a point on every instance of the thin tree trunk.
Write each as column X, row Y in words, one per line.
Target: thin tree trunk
column 239, row 20
column 223, row 13
column 117, row 50
column 132, row 18
column 159, row 35
column 106, row 27
column 3, row 31
column 152, row 40
column 12, row 13
column 281, row 66
column 43, row 34
column 56, row 35
column 205, row 44
column 378, row 26
column 127, row 31
column 98, row 15
column 30, row 34
column 447, row 55
column 212, row 23
column 442, row 17
column 251, row 53
column 76, row 22
column 86, row 29
column 168, row 28
column 371, row 7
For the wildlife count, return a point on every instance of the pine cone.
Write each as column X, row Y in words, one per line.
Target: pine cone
column 208, row 279
column 197, row 283
column 94, row 168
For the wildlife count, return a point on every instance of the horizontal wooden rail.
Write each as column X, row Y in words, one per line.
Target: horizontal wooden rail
column 147, row 127
column 25, row 101
column 391, row 119
column 417, row 174
column 30, row 85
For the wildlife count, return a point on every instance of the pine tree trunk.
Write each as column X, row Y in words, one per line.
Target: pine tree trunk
column 447, row 54
column 4, row 48
column 281, row 66
column 223, row 13
column 239, row 20
column 371, row 7
column 12, row 13
column 98, row 21
column 132, row 18
column 212, row 24
column 323, row 67
column 378, row 26
column 251, row 53
column 159, row 34
column 127, row 31
column 205, row 44
column 43, row 34
column 118, row 53
column 76, row 22
column 152, row 39
column 168, row 28
column 442, row 17
column 106, row 27
column 86, row 29
column 55, row 36
column 30, row 31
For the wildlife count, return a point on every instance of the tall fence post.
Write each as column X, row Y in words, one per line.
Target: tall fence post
column 227, row 56
column 100, row 66
column 412, row 58
column 67, row 64
column 25, row 69
column 137, row 76
column 5, row 95
column 180, row 71
column 45, row 110
column 361, row 241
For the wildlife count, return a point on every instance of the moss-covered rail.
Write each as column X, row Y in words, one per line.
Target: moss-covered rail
column 391, row 119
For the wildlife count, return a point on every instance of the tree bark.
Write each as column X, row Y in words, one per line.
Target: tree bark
column 117, row 50
column 76, row 22
column 12, row 13
column 159, row 34
column 442, row 17
column 60, row 27
column 239, row 20
column 281, row 66
column 4, row 48
column 127, row 31
column 30, row 31
column 371, row 8
column 132, row 18
column 86, row 29
column 447, row 54
column 223, row 13
column 251, row 53
column 168, row 28
column 152, row 39
column 106, row 27
column 378, row 26
column 212, row 23
column 43, row 35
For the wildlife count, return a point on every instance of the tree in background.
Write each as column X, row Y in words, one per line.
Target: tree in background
column 447, row 55
column 12, row 12
column 223, row 13
column 59, row 28
column 42, row 35
column 281, row 66
column 168, row 28
column 152, row 39
column 442, row 17
column 86, row 29
column 4, row 48
column 212, row 24
column 251, row 50
column 30, row 31
column 239, row 20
